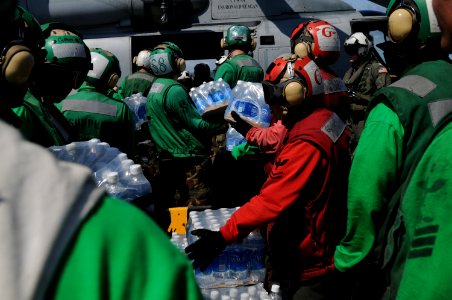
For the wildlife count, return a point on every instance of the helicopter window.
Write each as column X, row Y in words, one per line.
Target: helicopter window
column 267, row 40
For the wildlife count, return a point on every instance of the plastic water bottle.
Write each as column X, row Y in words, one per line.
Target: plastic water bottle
column 266, row 115
column 124, row 171
column 220, row 266
column 214, row 295
column 137, row 104
column 233, row 293
column 92, row 152
column 233, row 138
column 138, row 182
column 198, row 100
column 204, row 91
column 113, row 186
column 74, row 152
column 246, row 108
column 275, row 293
column 220, row 91
column 112, row 166
column 238, row 257
column 244, row 296
column 263, row 295
column 256, row 245
column 106, row 155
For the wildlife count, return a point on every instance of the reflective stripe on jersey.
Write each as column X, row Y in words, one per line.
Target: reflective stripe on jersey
column 416, row 84
column 439, row 109
column 89, row 106
column 334, row 127
column 247, row 63
column 141, row 76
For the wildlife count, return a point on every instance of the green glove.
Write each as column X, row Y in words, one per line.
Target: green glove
column 243, row 150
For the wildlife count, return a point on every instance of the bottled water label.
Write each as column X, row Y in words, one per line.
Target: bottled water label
column 246, row 109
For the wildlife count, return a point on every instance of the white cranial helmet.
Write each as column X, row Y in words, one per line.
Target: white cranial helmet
column 357, row 43
column 143, row 59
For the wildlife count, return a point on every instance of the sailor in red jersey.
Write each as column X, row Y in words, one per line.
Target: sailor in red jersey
column 303, row 202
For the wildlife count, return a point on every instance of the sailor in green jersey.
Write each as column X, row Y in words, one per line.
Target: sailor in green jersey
column 239, row 65
column 246, row 175
column 95, row 115
column 141, row 80
column 392, row 222
column 180, row 134
column 65, row 65
column 61, row 238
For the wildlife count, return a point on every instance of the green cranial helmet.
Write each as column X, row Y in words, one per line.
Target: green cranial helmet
column 105, row 70
column 67, row 51
column 238, row 37
column 167, row 60
column 412, row 21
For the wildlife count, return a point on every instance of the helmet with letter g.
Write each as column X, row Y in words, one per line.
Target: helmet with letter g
column 105, row 71
column 317, row 39
column 292, row 81
column 238, row 37
column 167, row 60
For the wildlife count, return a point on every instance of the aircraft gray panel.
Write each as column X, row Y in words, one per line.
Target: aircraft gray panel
column 235, row 9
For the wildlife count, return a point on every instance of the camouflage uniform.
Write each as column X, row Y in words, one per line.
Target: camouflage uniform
column 362, row 82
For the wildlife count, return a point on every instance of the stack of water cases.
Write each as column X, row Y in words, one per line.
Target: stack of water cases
column 211, row 97
column 111, row 168
column 137, row 104
column 247, row 100
column 239, row 264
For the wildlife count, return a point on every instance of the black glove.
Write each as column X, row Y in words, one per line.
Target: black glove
column 240, row 125
column 204, row 250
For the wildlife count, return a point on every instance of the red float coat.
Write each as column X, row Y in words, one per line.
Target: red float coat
column 303, row 201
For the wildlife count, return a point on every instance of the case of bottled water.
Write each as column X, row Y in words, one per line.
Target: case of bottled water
column 211, row 97
column 129, row 183
column 238, row 264
column 247, row 100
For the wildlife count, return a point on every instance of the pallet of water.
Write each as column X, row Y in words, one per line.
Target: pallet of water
column 238, row 264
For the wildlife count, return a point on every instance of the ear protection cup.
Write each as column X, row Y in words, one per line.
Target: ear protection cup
column 112, row 80
column 400, row 24
column 294, row 93
column 253, row 44
column 223, row 43
column 106, row 69
column 180, row 63
column 302, row 49
column 17, row 62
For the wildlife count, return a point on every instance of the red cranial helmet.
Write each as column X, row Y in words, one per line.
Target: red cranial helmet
column 317, row 39
column 292, row 80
